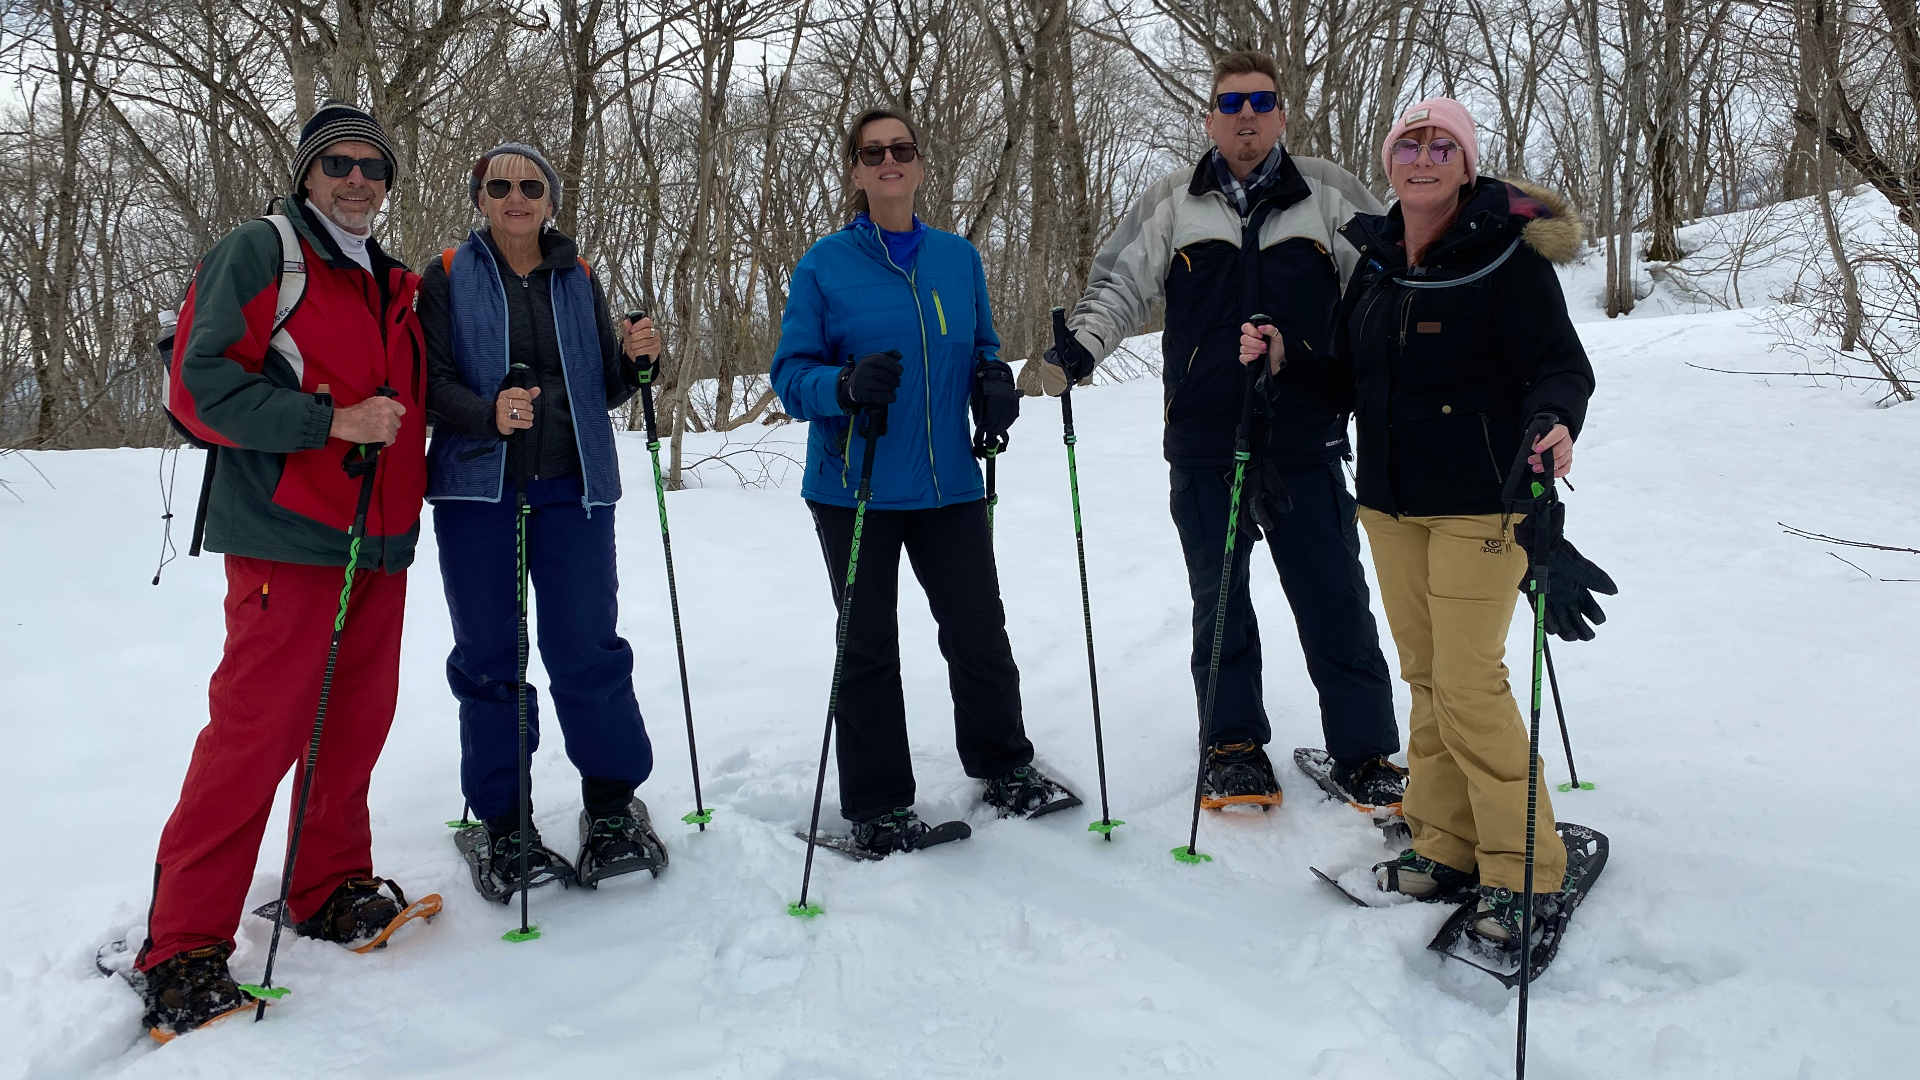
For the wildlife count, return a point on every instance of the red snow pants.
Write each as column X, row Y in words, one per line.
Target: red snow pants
column 262, row 699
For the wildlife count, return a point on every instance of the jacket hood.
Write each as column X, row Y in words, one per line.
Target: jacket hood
column 1493, row 213
column 1550, row 226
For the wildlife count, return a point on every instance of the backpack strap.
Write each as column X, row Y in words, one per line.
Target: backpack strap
column 293, row 289
column 291, row 279
column 446, row 262
column 583, row 265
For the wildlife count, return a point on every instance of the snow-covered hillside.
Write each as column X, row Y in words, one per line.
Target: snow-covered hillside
column 1746, row 712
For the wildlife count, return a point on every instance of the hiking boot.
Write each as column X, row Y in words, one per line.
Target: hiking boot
column 1025, row 792
column 1496, row 919
column 503, row 855
column 1423, row 879
column 190, row 989
column 1373, row 781
column 1239, row 772
column 355, row 913
column 618, row 841
column 883, row 834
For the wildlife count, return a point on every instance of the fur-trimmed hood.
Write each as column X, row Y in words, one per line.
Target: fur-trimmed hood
column 1551, row 227
column 1492, row 214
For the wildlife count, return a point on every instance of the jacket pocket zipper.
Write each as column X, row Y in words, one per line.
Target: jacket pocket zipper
column 1166, row 411
column 939, row 312
column 1486, row 436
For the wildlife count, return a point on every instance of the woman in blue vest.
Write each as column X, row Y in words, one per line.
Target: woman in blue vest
column 888, row 313
column 523, row 363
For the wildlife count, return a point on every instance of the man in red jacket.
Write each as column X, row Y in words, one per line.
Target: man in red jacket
column 285, row 408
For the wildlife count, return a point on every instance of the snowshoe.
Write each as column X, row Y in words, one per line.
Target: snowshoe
column 357, row 916
column 1415, row 876
column 1027, row 792
column 1375, row 787
column 188, row 990
column 620, row 843
column 877, row 837
column 1488, row 922
column 1239, row 774
column 494, row 859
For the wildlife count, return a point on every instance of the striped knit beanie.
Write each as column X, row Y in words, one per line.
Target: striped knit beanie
column 336, row 121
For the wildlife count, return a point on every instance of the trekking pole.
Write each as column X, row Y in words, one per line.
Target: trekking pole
column 1106, row 824
column 875, row 420
column 1242, row 453
column 1560, row 713
column 520, row 375
column 360, row 462
column 1541, row 500
column 699, row 815
column 993, row 498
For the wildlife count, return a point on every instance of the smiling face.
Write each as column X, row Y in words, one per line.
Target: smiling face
column 1246, row 137
column 350, row 201
column 1426, row 186
column 516, row 216
column 889, row 181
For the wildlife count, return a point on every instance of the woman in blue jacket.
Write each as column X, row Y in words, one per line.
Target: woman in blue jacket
column 888, row 313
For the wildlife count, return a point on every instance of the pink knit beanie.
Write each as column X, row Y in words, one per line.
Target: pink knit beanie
column 1443, row 113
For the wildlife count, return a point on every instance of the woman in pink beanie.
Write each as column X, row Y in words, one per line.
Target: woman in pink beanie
column 1451, row 343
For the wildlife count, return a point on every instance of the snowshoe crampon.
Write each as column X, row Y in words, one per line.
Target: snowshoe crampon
column 618, row 844
column 1586, row 858
column 875, row 838
column 1027, row 792
column 498, row 882
column 424, row 908
column 1386, row 816
column 1238, row 774
column 193, row 990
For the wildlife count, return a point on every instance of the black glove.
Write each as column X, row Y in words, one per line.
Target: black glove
column 1572, row 578
column 1071, row 357
column 870, row 380
column 996, row 405
column 1264, row 493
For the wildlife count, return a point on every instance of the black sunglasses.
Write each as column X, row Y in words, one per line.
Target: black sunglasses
column 375, row 169
column 1263, row 101
column 903, row 152
column 498, row 188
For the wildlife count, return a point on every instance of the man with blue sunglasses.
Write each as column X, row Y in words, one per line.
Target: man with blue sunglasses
column 1252, row 229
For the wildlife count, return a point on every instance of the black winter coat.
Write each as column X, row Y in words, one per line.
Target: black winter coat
column 1444, row 364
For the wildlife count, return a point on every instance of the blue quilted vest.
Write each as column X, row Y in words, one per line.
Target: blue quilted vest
column 475, row 469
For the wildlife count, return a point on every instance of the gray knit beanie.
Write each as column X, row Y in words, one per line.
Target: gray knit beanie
column 540, row 160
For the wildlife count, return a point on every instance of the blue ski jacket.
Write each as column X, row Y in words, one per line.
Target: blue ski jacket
column 848, row 298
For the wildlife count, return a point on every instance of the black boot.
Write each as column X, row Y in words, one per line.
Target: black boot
column 1239, row 773
column 895, row 830
column 503, row 856
column 188, row 990
column 1027, row 792
column 1373, row 782
column 1495, row 927
column 618, row 840
column 355, row 913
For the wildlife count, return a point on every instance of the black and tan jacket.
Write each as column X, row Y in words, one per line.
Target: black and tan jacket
column 1443, row 364
column 1186, row 241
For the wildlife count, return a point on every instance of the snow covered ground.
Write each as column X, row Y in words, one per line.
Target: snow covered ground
column 1747, row 713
